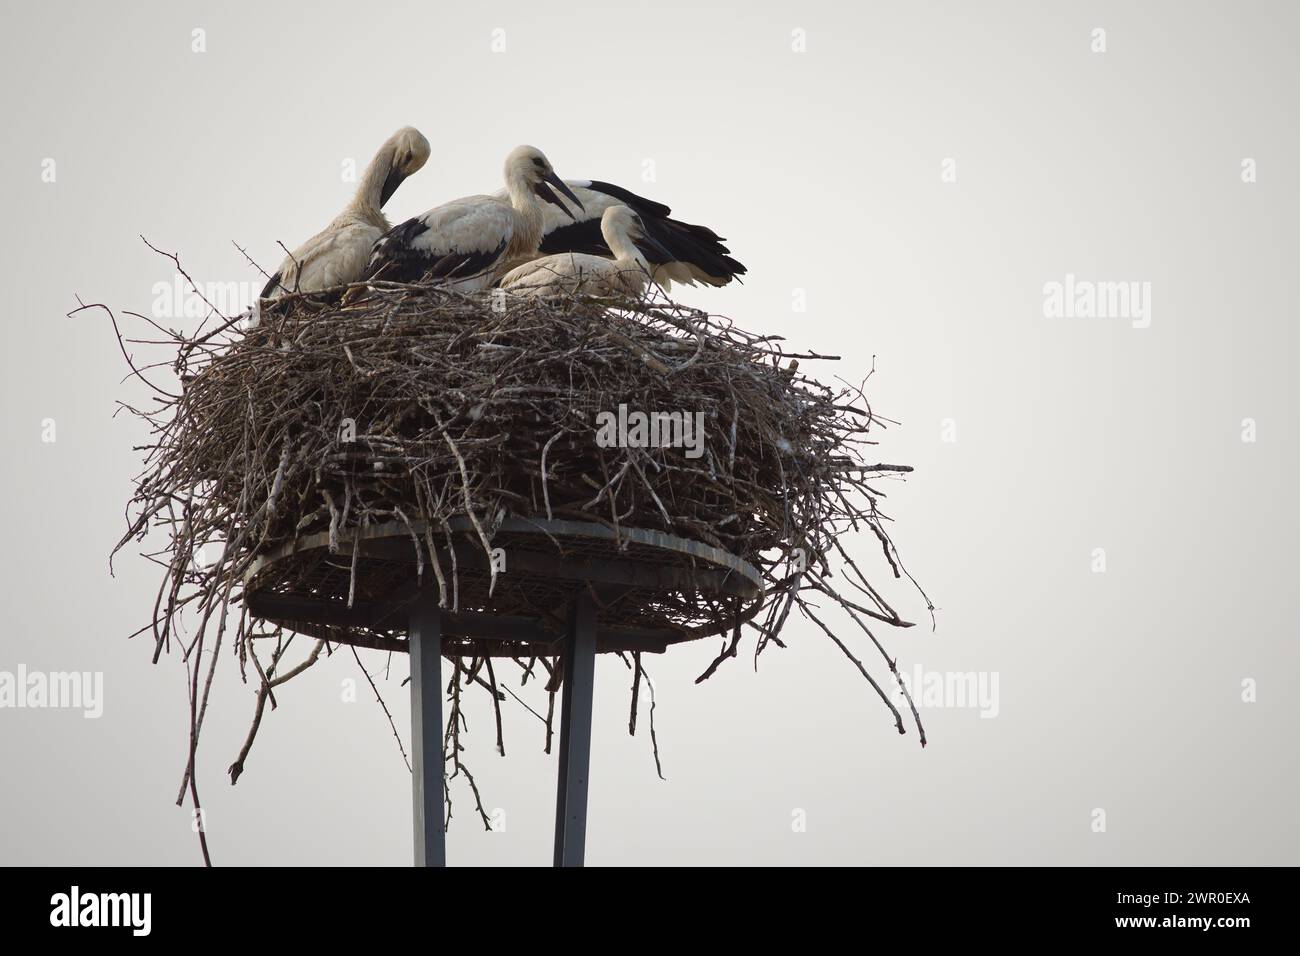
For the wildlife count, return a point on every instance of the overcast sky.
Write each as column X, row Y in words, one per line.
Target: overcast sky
column 1103, row 507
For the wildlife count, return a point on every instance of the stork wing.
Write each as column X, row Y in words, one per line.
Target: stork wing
column 697, row 252
column 334, row 256
column 458, row 239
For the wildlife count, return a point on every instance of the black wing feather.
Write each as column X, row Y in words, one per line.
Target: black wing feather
column 458, row 265
column 638, row 204
column 395, row 260
column 698, row 245
column 271, row 285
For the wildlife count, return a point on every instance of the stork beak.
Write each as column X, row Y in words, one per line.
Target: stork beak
column 394, row 179
column 545, row 192
column 648, row 244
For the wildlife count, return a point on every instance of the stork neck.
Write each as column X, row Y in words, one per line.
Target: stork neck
column 519, row 189
column 370, row 190
column 529, row 207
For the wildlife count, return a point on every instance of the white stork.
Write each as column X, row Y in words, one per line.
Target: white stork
column 581, row 273
column 468, row 243
column 338, row 253
column 683, row 252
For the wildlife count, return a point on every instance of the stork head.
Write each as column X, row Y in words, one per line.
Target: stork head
column 528, row 166
column 620, row 219
column 408, row 151
column 620, row 222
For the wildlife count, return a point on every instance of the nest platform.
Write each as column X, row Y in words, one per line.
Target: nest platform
column 638, row 579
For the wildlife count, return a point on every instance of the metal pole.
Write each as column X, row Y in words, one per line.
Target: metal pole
column 575, row 732
column 426, row 729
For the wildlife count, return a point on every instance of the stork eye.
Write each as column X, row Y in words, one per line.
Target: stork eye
column 539, row 163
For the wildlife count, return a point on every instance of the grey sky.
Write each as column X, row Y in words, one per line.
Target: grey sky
column 1036, row 439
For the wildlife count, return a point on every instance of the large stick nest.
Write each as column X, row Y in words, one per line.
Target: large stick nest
column 433, row 410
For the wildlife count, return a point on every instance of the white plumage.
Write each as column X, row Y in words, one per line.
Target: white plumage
column 338, row 253
column 468, row 243
column 573, row 273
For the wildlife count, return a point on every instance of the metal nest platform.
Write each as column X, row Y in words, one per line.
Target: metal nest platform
column 567, row 589
column 650, row 589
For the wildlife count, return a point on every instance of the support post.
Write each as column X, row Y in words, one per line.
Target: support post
column 575, row 732
column 425, row 636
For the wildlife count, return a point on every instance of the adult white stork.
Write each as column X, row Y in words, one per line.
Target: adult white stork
column 468, row 243
column 338, row 253
column 570, row 273
column 683, row 252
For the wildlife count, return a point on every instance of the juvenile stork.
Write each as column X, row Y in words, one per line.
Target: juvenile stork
column 338, row 253
column 684, row 252
column 571, row 273
column 468, row 243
